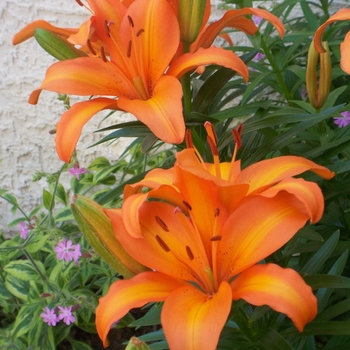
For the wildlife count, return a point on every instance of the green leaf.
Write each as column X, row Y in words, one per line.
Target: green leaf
column 316, row 262
column 36, row 242
column 78, row 345
column 327, row 281
column 271, row 340
column 324, row 294
column 57, row 47
column 18, row 288
column 45, row 338
column 151, row 318
column 328, row 328
column 47, row 199
column 61, row 194
column 24, row 269
column 99, row 163
column 64, row 214
column 24, row 320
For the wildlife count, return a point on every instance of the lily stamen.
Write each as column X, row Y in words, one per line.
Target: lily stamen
column 90, row 47
column 103, row 55
column 189, row 253
column 213, row 141
column 162, row 224
column 162, row 244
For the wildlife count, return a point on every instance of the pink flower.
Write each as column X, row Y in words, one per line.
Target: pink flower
column 65, row 314
column 258, row 56
column 344, row 120
column 257, row 20
column 23, row 230
column 76, row 171
column 67, row 251
column 49, row 316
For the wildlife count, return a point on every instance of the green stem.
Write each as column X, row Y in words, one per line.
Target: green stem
column 186, row 87
column 276, row 70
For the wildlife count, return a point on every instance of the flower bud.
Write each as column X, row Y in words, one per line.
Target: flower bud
column 136, row 344
column 97, row 229
column 56, row 46
column 318, row 93
column 190, row 17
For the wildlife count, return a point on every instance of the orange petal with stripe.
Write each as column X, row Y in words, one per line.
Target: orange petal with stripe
column 193, row 320
column 281, row 289
column 125, row 295
column 72, row 122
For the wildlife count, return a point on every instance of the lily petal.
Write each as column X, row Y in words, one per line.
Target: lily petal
column 160, row 38
column 345, row 54
column 136, row 292
column 281, row 289
column 233, row 17
column 255, row 234
column 134, row 203
column 162, row 113
column 341, row 15
column 212, row 55
column 307, row 192
column 271, row 171
column 85, row 76
column 193, row 320
column 153, row 179
column 28, row 31
column 72, row 122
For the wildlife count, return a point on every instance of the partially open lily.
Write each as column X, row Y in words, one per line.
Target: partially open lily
column 264, row 178
column 141, row 41
column 205, row 252
column 341, row 15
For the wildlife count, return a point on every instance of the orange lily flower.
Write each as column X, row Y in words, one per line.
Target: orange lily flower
column 141, row 41
column 264, row 178
column 204, row 252
column 341, row 15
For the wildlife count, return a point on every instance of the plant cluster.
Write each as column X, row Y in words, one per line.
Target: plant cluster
column 225, row 223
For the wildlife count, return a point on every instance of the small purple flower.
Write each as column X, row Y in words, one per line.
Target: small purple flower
column 344, row 120
column 23, row 230
column 76, row 171
column 257, row 20
column 67, row 251
column 65, row 314
column 49, row 316
column 258, row 56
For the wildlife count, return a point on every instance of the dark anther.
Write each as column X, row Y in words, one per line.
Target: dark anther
column 189, row 253
column 162, row 244
column 216, row 238
column 88, row 43
column 217, row 212
column 131, row 22
column 103, row 55
column 139, row 32
column 79, row 3
column 128, row 53
column 162, row 224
